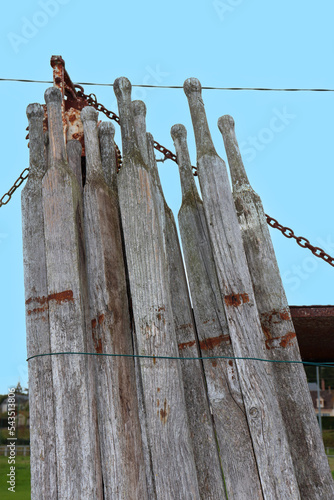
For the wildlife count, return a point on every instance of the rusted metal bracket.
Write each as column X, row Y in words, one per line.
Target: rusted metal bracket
column 72, row 103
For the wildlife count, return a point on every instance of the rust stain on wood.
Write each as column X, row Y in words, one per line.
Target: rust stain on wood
column 206, row 344
column 164, row 412
column 277, row 342
column 66, row 296
column 266, row 332
column 237, row 299
column 186, row 325
column 184, row 345
column 208, row 320
column 154, row 360
column 210, row 343
column 285, row 315
column 38, row 309
column 272, row 318
column 286, row 340
column 159, row 315
column 97, row 342
column 100, row 319
column 98, row 346
column 60, row 297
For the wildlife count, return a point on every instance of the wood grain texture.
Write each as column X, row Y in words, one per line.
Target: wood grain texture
column 108, row 153
column 167, row 425
column 109, row 166
column 236, row 451
column 265, row 421
column 78, row 456
column 74, row 150
column 279, row 337
column 41, row 401
column 209, row 474
column 123, row 469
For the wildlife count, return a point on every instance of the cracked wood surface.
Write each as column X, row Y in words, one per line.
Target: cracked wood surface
column 109, row 330
column 264, row 417
column 279, row 338
column 78, row 455
column 167, row 425
column 236, row 451
column 41, row 400
column 210, row 480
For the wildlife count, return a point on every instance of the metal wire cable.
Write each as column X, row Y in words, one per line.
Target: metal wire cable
column 263, row 89
column 324, row 364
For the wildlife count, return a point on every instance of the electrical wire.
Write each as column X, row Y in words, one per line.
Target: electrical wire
column 263, row 89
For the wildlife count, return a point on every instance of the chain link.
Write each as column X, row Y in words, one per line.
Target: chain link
column 301, row 241
column 17, row 183
column 92, row 101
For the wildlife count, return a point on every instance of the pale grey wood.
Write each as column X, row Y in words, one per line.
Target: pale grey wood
column 172, row 458
column 138, row 112
column 74, row 151
column 279, row 337
column 78, row 456
column 209, row 474
column 108, row 153
column 123, row 469
column 236, row 450
column 41, row 404
column 265, row 421
column 109, row 166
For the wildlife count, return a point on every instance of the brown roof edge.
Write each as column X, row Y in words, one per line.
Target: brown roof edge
column 314, row 327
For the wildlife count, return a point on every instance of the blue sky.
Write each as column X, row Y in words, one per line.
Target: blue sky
column 232, row 43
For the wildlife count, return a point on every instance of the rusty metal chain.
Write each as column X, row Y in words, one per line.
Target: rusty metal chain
column 16, row 184
column 92, row 101
column 301, row 241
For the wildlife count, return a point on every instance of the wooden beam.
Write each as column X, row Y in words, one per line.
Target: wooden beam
column 108, row 153
column 209, row 474
column 78, row 458
column 41, row 400
column 279, row 337
column 265, row 421
column 74, row 150
column 109, row 330
column 167, row 425
column 235, row 445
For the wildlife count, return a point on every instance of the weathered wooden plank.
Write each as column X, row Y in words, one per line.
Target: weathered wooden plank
column 265, row 421
column 236, row 450
column 42, row 428
column 123, row 469
column 109, row 166
column 168, row 433
column 209, row 474
column 74, row 150
column 279, row 337
column 108, row 153
column 78, row 457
